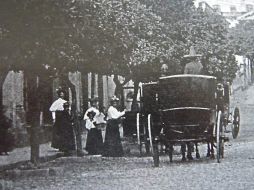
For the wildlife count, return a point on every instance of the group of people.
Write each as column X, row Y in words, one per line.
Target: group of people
column 63, row 137
column 95, row 120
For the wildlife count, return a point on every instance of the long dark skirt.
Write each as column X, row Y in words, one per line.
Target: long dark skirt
column 55, row 142
column 94, row 143
column 63, row 134
column 112, row 145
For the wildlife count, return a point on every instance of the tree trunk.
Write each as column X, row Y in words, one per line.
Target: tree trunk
column 119, row 89
column 252, row 70
column 134, row 105
column 66, row 84
column 100, row 91
column 92, row 85
column 84, row 78
column 33, row 98
column 3, row 74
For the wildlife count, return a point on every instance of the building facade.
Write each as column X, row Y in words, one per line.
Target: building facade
column 231, row 10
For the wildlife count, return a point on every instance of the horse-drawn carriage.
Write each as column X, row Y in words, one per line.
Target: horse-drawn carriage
column 181, row 109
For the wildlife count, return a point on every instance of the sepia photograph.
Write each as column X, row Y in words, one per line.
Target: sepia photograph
column 126, row 94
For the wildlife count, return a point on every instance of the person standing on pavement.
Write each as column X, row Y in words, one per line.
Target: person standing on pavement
column 67, row 139
column 112, row 145
column 93, row 119
column 56, row 109
column 94, row 143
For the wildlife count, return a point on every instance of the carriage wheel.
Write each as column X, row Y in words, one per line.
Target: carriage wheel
column 149, row 123
column 222, row 135
column 138, row 133
column 236, row 123
column 219, row 138
column 154, row 146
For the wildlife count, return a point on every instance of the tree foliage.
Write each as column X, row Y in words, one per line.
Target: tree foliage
column 205, row 30
column 129, row 38
column 38, row 34
column 242, row 38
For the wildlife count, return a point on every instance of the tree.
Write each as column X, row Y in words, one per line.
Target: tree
column 241, row 38
column 129, row 36
column 37, row 37
column 209, row 33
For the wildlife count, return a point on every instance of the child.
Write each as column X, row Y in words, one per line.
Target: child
column 94, row 143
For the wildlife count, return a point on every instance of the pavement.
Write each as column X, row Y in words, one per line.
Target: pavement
column 21, row 156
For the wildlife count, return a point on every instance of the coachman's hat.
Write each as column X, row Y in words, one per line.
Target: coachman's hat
column 192, row 53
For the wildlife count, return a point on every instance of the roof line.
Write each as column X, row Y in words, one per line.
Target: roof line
column 188, row 75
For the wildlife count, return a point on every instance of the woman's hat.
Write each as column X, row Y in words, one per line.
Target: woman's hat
column 91, row 113
column 192, row 53
column 114, row 99
column 59, row 91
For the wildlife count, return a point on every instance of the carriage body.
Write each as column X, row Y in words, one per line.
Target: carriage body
column 187, row 106
column 179, row 109
column 186, row 110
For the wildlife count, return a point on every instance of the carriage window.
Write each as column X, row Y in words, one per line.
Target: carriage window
column 187, row 92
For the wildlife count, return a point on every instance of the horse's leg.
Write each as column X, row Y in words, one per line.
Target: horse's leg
column 183, row 150
column 189, row 150
column 208, row 150
column 170, row 152
column 212, row 150
column 197, row 151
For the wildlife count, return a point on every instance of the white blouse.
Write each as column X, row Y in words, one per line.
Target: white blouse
column 57, row 106
column 113, row 113
column 98, row 118
column 89, row 124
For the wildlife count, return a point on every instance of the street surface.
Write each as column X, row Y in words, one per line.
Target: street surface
column 235, row 172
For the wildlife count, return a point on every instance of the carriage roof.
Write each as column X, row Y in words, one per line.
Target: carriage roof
column 188, row 75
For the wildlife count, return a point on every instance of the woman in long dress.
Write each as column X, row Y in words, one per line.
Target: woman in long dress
column 94, row 143
column 112, row 145
column 66, row 138
column 56, row 109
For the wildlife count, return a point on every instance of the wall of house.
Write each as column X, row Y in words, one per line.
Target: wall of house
column 13, row 97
